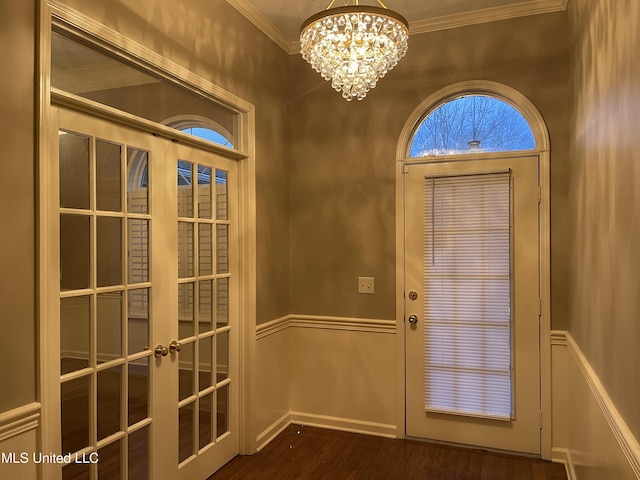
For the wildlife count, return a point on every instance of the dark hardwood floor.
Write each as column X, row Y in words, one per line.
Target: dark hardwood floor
column 316, row 454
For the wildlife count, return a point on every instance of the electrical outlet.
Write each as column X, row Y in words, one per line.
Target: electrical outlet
column 365, row 285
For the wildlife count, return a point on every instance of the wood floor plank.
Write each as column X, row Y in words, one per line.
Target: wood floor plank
column 308, row 453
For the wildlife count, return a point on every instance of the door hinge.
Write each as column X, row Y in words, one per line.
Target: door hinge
column 540, row 419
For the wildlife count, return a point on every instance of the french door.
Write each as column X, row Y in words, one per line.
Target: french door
column 472, row 303
column 147, row 370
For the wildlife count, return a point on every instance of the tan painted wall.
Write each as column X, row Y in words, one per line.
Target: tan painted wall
column 17, row 199
column 342, row 200
column 212, row 39
column 604, row 198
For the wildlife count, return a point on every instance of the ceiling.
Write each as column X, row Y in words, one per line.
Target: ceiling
column 281, row 19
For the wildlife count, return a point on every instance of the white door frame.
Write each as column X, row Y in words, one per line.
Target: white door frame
column 51, row 11
column 541, row 136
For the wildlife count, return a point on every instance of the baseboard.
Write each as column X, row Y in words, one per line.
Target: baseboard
column 563, row 455
column 323, row 421
column 344, row 424
column 263, row 439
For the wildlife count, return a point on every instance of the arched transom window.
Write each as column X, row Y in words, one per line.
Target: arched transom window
column 471, row 124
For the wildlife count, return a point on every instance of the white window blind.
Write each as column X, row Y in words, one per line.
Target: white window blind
column 467, row 250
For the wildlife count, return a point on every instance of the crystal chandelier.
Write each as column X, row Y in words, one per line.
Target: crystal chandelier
column 354, row 46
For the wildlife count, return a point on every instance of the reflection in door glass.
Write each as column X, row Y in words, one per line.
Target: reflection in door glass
column 204, row 192
column 109, row 326
column 109, row 251
column 222, row 410
column 138, row 244
column 75, row 327
column 186, row 371
column 185, row 250
column 75, row 407
column 74, row 170
column 185, row 189
column 108, row 176
column 138, row 381
column 205, row 419
column 109, row 458
column 138, row 320
column 205, row 364
column 138, row 181
column 185, row 310
column 185, row 442
column 75, row 252
column 222, row 197
column 205, row 309
column 222, row 355
column 109, row 391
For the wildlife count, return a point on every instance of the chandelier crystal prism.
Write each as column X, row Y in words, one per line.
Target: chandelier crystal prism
column 354, row 46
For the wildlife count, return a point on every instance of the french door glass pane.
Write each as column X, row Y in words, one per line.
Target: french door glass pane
column 205, row 419
column 108, row 176
column 109, row 251
column 185, row 310
column 75, row 331
column 205, row 249
column 110, row 458
column 204, row 192
column 186, row 427
column 205, row 308
column 138, row 320
column 138, row 454
column 74, row 155
column 75, row 407
column 76, row 471
column 138, row 181
column 222, row 355
column 205, row 365
column 138, row 244
column 185, row 250
column 109, row 401
column 75, row 252
column 185, row 189
column 222, row 302
column 109, row 326
column 222, row 248
column 186, row 371
column 222, row 207
column 222, row 410
column 138, row 400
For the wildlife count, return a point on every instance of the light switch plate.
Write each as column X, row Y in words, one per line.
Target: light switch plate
column 365, row 285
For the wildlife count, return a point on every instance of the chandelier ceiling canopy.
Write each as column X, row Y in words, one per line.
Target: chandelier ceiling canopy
column 355, row 45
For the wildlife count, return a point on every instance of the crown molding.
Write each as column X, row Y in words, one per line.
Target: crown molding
column 474, row 17
column 268, row 28
column 530, row 7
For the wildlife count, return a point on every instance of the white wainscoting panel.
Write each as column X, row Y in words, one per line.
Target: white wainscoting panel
column 343, row 373
column 330, row 372
column 19, row 441
column 271, row 380
column 590, row 436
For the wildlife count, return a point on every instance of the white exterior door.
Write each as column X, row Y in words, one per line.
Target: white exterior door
column 472, row 303
column 146, row 369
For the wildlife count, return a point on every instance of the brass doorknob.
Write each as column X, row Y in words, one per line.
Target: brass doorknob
column 413, row 319
column 161, row 351
column 175, row 346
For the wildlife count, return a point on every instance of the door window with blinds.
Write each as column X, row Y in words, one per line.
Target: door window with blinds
column 468, row 295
